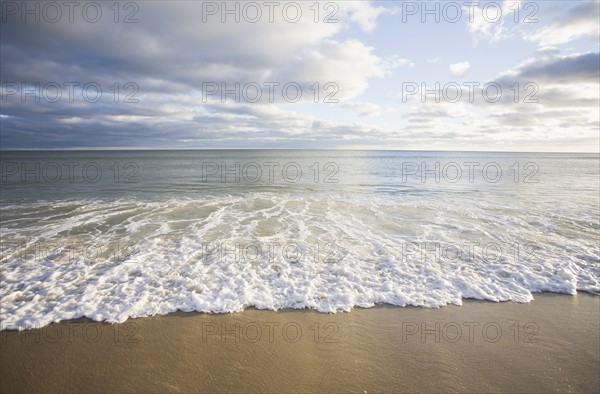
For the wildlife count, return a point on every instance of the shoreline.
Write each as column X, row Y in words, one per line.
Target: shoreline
column 549, row 344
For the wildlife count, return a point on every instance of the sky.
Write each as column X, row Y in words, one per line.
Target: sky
column 465, row 75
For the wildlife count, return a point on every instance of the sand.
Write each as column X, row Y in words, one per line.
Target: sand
column 549, row 345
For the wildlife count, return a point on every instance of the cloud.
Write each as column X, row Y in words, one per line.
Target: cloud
column 567, row 95
column 349, row 64
column 171, row 54
column 363, row 13
column 459, row 69
column 567, row 69
column 396, row 61
column 580, row 21
column 214, row 125
column 173, row 50
column 363, row 108
column 490, row 22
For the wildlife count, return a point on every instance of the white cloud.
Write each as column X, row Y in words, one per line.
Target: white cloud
column 490, row 22
column 396, row 61
column 459, row 69
column 564, row 116
column 349, row 64
column 363, row 108
column 363, row 13
column 580, row 21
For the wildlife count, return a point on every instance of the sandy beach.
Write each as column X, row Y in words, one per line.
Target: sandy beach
column 299, row 197
column 549, row 345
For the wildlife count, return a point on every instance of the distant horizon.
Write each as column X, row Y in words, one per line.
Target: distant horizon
column 277, row 149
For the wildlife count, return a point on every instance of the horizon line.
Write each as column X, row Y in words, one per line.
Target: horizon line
column 274, row 149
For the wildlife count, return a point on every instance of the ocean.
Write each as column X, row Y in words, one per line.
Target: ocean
column 112, row 235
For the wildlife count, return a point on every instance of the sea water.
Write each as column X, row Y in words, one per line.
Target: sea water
column 111, row 235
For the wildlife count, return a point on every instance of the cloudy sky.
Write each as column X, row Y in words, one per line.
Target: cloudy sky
column 503, row 76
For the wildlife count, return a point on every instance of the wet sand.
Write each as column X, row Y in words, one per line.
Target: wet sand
column 549, row 345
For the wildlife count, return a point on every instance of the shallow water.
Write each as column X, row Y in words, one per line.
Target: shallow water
column 116, row 234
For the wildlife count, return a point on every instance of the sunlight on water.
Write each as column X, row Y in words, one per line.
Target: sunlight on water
column 113, row 235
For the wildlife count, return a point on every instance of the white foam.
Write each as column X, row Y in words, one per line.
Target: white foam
column 174, row 266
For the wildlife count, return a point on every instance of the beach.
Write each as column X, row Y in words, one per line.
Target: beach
column 299, row 197
column 549, row 345
column 188, row 276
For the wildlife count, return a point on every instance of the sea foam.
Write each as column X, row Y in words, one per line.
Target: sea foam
column 114, row 259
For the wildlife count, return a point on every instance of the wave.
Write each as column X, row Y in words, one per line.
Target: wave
column 110, row 260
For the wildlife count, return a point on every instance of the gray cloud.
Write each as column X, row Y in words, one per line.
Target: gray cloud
column 169, row 54
column 567, row 69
